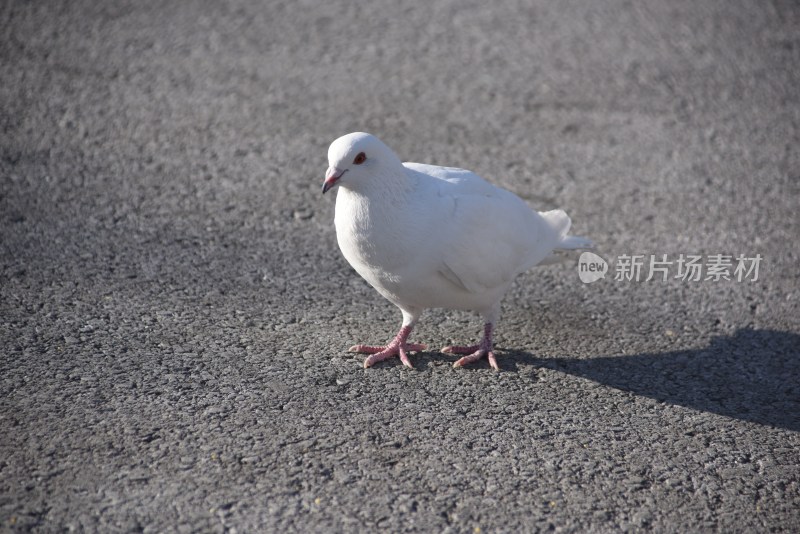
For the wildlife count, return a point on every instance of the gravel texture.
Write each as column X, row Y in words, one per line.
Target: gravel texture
column 174, row 310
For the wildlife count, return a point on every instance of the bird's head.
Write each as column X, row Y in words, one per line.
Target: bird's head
column 355, row 159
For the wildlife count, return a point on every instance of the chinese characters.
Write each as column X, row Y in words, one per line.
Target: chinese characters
column 687, row 267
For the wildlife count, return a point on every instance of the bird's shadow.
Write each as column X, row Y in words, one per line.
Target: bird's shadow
column 752, row 375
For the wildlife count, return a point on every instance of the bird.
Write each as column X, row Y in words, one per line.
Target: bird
column 426, row 236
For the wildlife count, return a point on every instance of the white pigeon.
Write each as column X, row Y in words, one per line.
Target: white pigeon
column 434, row 237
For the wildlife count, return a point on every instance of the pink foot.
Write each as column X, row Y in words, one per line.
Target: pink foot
column 397, row 347
column 476, row 352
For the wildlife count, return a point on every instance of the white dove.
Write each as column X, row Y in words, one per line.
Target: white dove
column 434, row 237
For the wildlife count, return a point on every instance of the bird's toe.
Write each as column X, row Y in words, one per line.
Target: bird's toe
column 456, row 349
column 477, row 355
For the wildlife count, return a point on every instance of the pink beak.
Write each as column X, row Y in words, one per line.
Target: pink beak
column 332, row 176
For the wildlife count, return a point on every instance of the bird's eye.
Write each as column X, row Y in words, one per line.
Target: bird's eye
column 361, row 158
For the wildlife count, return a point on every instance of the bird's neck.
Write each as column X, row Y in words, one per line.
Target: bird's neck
column 375, row 215
column 387, row 192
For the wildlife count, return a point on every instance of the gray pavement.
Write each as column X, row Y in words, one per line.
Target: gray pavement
column 175, row 311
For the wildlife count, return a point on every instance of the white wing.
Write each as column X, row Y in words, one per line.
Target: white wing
column 485, row 235
column 467, row 181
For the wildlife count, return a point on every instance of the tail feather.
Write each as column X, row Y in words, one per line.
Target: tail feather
column 560, row 222
column 573, row 242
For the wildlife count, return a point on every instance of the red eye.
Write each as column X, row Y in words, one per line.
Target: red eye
column 361, row 158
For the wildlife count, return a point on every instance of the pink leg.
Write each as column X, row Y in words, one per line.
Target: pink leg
column 476, row 352
column 396, row 347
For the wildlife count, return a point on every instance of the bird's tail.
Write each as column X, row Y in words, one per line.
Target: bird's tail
column 573, row 242
column 560, row 222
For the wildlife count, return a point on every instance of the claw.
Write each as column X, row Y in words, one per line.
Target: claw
column 397, row 347
column 477, row 355
column 471, row 358
column 404, row 358
column 475, row 352
column 386, row 354
column 493, row 361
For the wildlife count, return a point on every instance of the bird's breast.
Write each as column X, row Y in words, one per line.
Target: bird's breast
column 375, row 241
column 366, row 244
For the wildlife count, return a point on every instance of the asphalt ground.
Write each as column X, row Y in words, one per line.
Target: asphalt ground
column 175, row 311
